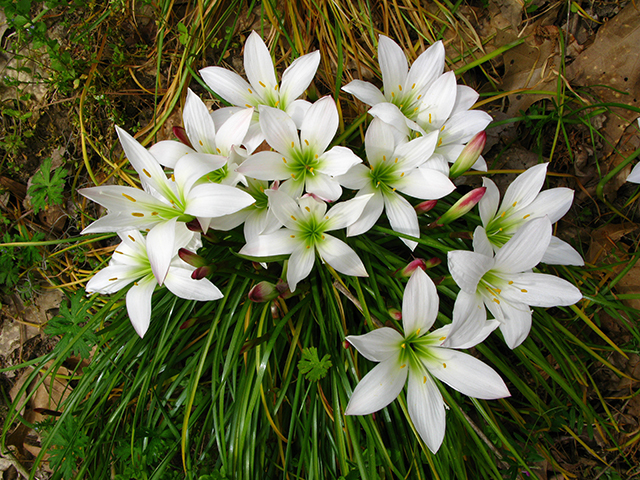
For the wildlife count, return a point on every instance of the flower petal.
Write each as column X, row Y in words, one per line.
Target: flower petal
column 300, row 264
column 284, row 208
column 341, row 256
column 414, row 153
column 378, row 388
column 481, row 242
column 402, row 217
column 377, row 345
column 553, row 203
column 181, row 284
column 213, row 200
column 426, row 408
column 271, row 245
column 279, row 130
column 320, row 125
column 560, row 252
column 466, row 374
column 229, row 85
column 296, row 78
column 427, row 67
column 419, row 304
column 233, row 131
column 463, row 126
column 525, row 249
column 113, row 278
column 525, row 188
column 516, row 324
column 438, row 102
column 465, row 98
column 198, row 123
column 168, row 152
column 258, row 65
column 323, row 186
column 139, row 304
column 541, row 290
column 365, row 92
column 379, row 142
column 372, row 211
column 393, row 65
column 470, row 325
column 338, row 161
column 467, row 268
column 265, row 166
column 343, row 214
column 426, row 184
column 488, row 204
column 161, row 248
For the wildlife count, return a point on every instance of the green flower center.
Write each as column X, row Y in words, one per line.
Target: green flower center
column 384, row 174
column 302, row 163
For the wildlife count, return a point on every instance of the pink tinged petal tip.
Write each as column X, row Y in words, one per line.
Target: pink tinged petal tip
column 424, row 207
column 469, row 155
column 406, row 271
column 263, row 292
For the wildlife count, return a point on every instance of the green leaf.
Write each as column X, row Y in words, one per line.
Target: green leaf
column 46, row 189
column 68, row 325
column 311, row 366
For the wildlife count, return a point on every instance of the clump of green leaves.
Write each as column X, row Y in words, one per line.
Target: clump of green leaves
column 70, row 443
column 312, row 366
column 17, row 261
column 69, row 324
column 47, row 189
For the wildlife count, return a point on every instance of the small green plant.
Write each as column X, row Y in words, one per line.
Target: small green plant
column 47, row 189
column 18, row 262
column 70, row 442
column 312, row 366
column 69, row 323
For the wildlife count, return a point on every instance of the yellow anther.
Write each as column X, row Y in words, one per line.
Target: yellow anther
column 284, row 160
column 316, row 155
column 294, row 218
column 262, row 84
column 173, row 178
column 218, row 150
column 424, row 379
column 442, row 339
column 497, row 301
column 323, row 237
column 444, row 365
column 154, row 213
column 311, row 169
column 292, row 236
column 402, row 174
column 293, row 175
column 307, row 209
column 306, row 141
column 276, row 104
column 393, row 94
column 248, row 106
column 308, row 246
column 146, row 173
column 419, row 97
column 500, row 229
column 429, row 118
column 514, row 204
column 200, row 142
column 393, row 189
column 510, row 282
column 396, row 160
column 275, row 88
column 384, row 158
column 523, row 290
column 418, row 331
column 112, row 279
column 503, row 214
column 413, row 86
column 377, row 184
column 400, row 87
column 526, row 216
column 292, row 144
column 249, row 90
column 137, row 214
column 439, row 141
column 132, row 239
column 135, row 284
column 415, row 109
column 401, row 105
column 403, row 365
column 128, row 197
column 442, row 128
column 326, row 217
column 118, row 251
column 402, row 345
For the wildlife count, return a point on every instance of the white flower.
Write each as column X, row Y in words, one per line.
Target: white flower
column 523, row 201
column 393, row 169
column 306, row 224
column 263, row 88
column 135, row 261
column 302, row 160
column 505, row 283
column 163, row 198
column 222, row 149
column 420, row 356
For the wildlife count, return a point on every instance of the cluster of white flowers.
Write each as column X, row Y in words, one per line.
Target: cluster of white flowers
column 218, row 178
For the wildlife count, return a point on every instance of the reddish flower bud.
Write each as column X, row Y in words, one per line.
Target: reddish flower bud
column 406, row 271
column 469, row 155
column 462, row 206
column 192, row 258
column 424, row 207
column 395, row 314
column 181, row 133
column 263, row 292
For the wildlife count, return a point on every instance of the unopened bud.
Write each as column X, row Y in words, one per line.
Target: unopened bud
column 406, row 271
column 424, row 207
column 283, row 289
column 263, row 292
column 469, row 155
column 181, row 133
column 432, row 262
column 188, row 324
column 395, row 314
column 201, row 272
column 192, row 258
column 462, row 206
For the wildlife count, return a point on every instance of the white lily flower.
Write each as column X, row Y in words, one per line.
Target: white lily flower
column 505, row 282
column 523, row 201
column 419, row 357
column 302, row 160
column 395, row 168
column 162, row 198
column 262, row 88
column 220, row 147
column 306, row 223
column 135, row 261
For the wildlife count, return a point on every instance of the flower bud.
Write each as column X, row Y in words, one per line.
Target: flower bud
column 406, row 271
column 181, row 133
column 192, row 258
column 201, row 272
column 469, row 155
column 395, row 314
column 283, row 289
column 462, row 206
column 432, row 262
column 424, row 207
column 263, row 292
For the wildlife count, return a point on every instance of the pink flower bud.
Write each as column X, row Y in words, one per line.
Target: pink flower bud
column 201, row 272
column 406, row 271
column 462, row 206
column 469, row 155
column 188, row 324
column 395, row 314
column 263, row 292
column 424, row 207
column 432, row 262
